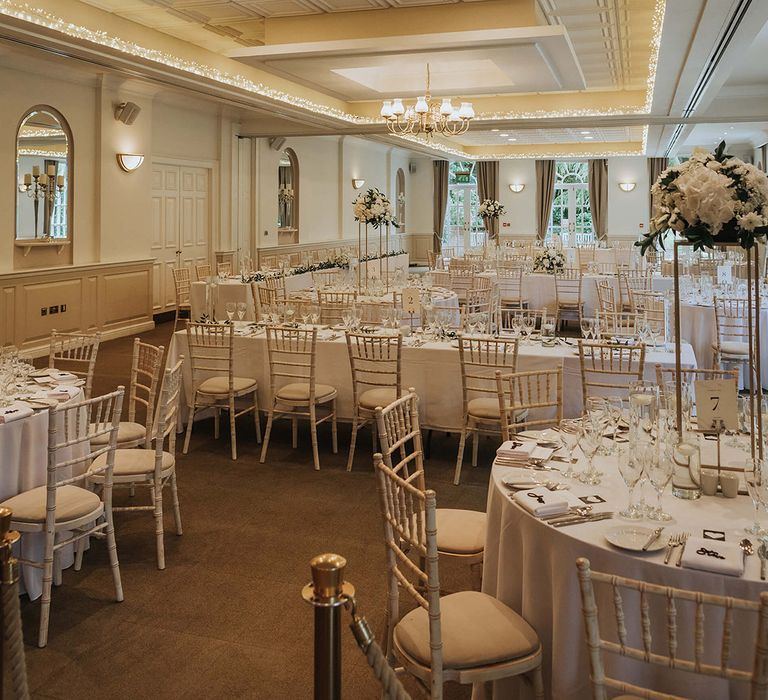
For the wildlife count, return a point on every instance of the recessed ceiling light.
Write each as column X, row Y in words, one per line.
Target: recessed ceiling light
column 512, row 139
column 503, row 135
column 589, row 137
column 585, row 132
column 494, row 129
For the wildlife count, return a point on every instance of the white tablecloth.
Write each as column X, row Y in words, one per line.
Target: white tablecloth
column 433, row 370
column 531, row 567
column 23, row 466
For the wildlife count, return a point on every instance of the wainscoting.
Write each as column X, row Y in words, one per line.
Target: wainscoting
column 113, row 298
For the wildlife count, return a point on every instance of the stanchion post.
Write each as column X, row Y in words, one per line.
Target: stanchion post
column 327, row 593
column 11, row 643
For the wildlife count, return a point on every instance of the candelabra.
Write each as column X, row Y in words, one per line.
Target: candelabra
column 42, row 186
column 285, row 194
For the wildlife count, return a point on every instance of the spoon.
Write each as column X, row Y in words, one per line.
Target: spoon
column 746, row 547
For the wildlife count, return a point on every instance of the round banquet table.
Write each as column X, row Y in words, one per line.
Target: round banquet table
column 531, row 566
column 24, row 462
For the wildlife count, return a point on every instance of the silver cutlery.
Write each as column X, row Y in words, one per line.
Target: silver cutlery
column 574, row 510
column 763, row 554
column 684, row 541
column 587, row 519
column 673, row 541
column 653, row 537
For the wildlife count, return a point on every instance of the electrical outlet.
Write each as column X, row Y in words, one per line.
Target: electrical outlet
column 63, row 308
column 44, row 311
column 53, row 309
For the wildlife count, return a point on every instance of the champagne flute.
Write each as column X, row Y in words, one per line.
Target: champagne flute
column 659, row 466
column 590, row 438
column 756, row 479
column 569, row 437
column 631, row 469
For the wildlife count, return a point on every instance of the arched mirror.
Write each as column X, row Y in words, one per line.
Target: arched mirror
column 43, row 176
column 400, row 192
column 288, row 197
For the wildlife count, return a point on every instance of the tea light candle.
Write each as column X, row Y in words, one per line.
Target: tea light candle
column 35, row 170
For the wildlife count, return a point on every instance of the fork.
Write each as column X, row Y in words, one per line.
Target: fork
column 673, row 541
column 685, row 537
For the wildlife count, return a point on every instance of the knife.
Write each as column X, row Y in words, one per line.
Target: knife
column 582, row 519
column 654, row 536
column 761, row 552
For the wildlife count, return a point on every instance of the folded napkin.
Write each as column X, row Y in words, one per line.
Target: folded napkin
column 710, row 555
column 14, row 412
column 63, row 392
column 541, row 502
column 58, row 376
column 523, row 451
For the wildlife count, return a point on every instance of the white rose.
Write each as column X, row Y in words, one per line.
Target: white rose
column 749, row 222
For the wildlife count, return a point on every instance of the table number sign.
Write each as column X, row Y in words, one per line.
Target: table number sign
column 717, row 402
column 411, row 300
column 724, row 274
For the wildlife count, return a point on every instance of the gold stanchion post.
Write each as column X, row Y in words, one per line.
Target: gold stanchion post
column 12, row 663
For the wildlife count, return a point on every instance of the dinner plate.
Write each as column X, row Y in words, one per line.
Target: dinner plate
column 519, row 482
column 634, row 537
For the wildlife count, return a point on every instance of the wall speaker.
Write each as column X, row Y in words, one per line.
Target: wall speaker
column 411, row 167
column 127, row 112
column 276, row 143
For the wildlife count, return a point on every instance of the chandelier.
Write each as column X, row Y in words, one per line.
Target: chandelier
column 425, row 117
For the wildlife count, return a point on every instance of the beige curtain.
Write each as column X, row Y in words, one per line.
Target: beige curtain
column 656, row 166
column 545, row 193
column 440, row 203
column 488, row 188
column 598, row 196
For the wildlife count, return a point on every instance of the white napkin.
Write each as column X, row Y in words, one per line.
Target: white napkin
column 523, row 452
column 15, row 411
column 58, row 376
column 695, row 556
column 543, row 503
column 63, row 392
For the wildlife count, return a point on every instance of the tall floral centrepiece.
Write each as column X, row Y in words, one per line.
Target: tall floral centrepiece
column 491, row 210
column 711, row 198
column 372, row 208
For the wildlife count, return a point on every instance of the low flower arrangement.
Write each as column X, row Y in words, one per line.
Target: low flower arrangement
column 491, row 209
column 711, row 198
column 373, row 207
column 550, row 261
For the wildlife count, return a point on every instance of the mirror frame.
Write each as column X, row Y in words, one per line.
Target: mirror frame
column 400, row 189
column 70, row 170
column 293, row 158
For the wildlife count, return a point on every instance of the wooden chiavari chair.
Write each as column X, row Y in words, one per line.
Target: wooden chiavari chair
column 142, row 391
column 529, row 400
column 214, row 384
column 264, row 298
column 183, row 286
column 586, row 256
column 335, row 305
column 629, row 281
column 62, row 511
column 372, row 313
column 276, row 283
column 480, row 358
column 606, row 296
column 658, row 609
column 619, row 324
column 375, row 361
column 154, row 468
column 325, row 278
column 689, row 376
column 224, row 268
column 510, row 281
column 460, row 533
column 507, row 316
column 607, row 369
column 467, row 637
column 292, row 373
column 568, row 303
column 650, row 305
column 732, row 332
column 75, row 353
column 202, row 272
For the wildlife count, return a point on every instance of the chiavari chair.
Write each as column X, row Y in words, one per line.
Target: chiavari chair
column 619, row 324
column 650, row 305
column 460, row 533
column 264, row 298
column 325, row 278
column 732, row 331
column 376, row 364
column 224, row 268
column 335, row 305
column 507, row 316
column 629, row 281
column 510, row 281
column 607, row 369
column 292, row 374
column 606, row 296
column 689, row 376
column 373, row 313
column 214, row 384
column 63, row 511
column 467, row 637
column 660, row 608
column 276, row 283
column 529, row 400
column 604, row 268
column 154, row 468
column 202, row 272
column 183, row 286
column 479, row 359
column 75, row 353
column 586, row 256
column 568, row 303
column 142, row 391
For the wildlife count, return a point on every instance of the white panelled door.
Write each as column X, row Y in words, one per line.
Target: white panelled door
column 181, row 223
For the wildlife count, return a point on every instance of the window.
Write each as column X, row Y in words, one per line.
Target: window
column 571, row 218
column 463, row 227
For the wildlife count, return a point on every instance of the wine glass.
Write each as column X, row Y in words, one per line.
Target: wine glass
column 314, row 314
column 587, row 326
column 529, row 325
column 631, row 469
column 659, row 467
column 230, row 307
column 569, row 437
column 756, row 478
column 241, row 309
column 615, row 413
column 590, row 439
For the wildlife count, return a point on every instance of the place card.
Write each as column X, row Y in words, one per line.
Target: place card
column 724, row 274
column 716, row 402
column 411, row 300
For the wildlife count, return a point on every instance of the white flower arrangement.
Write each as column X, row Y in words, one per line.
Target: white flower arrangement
column 373, row 207
column 491, row 209
column 710, row 198
column 549, row 260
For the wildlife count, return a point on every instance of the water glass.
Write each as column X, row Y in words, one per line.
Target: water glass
column 230, row 307
column 659, row 466
column 569, row 437
column 241, row 309
column 686, row 479
column 590, row 439
column 756, row 479
column 630, row 469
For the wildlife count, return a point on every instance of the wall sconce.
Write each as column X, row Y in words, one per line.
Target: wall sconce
column 357, row 183
column 517, row 187
column 129, row 161
column 627, row 186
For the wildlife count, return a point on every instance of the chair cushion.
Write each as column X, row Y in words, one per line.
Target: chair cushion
column 72, row 502
column 477, row 630
column 136, row 461
column 373, row 398
column 734, row 347
column 484, row 408
column 126, row 432
column 460, row 531
column 299, row 391
column 220, row 385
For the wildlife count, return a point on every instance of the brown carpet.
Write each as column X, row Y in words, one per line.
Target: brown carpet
column 225, row 619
